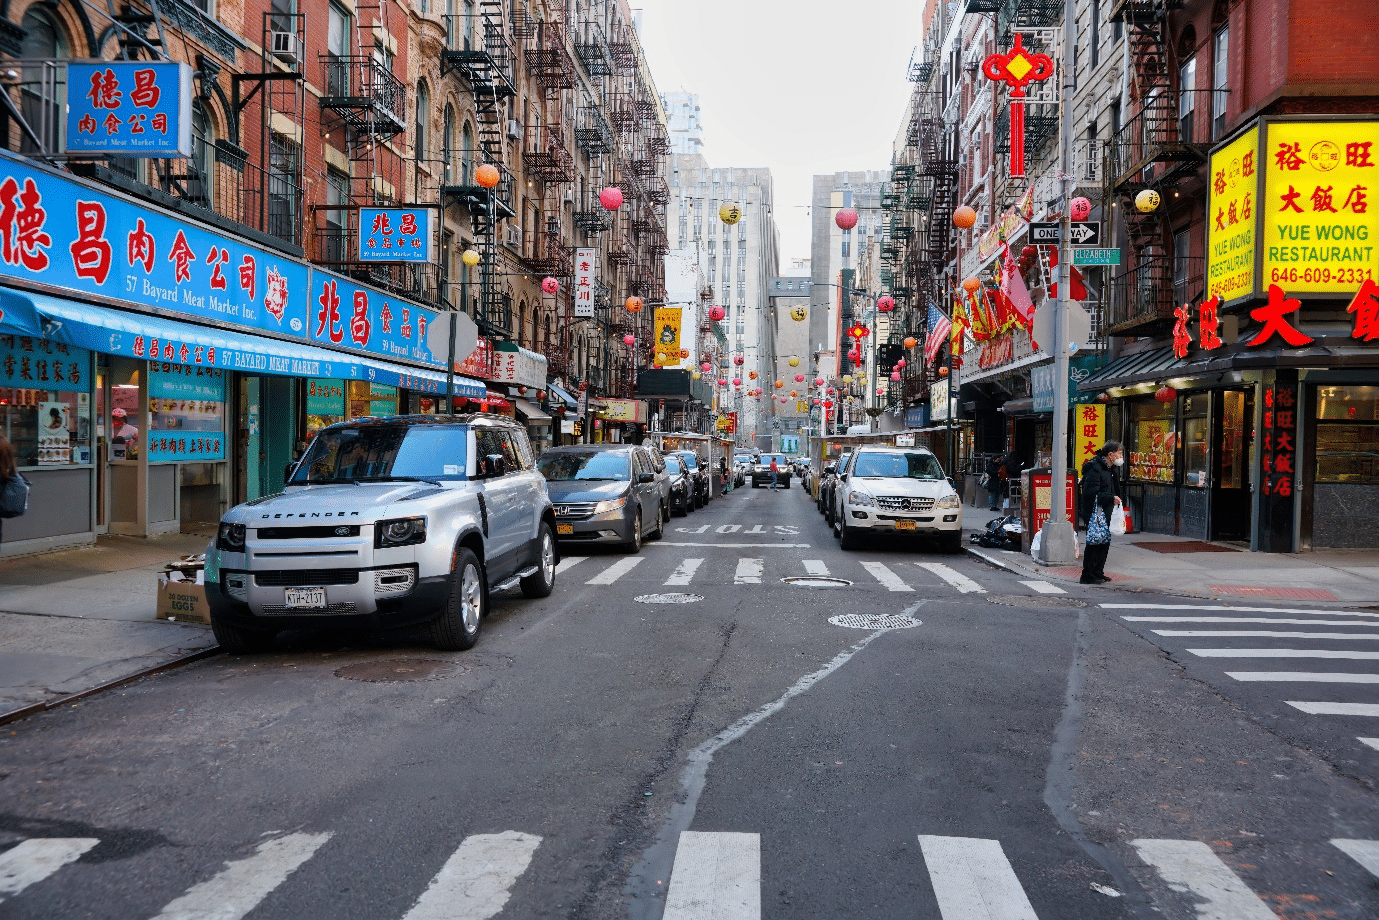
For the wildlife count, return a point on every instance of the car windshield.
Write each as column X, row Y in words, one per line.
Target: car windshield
column 674, row 466
column 384, row 452
column 877, row 465
column 767, row 458
column 586, row 464
column 690, row 460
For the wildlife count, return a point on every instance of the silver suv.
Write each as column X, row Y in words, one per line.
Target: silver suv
column 387, row 523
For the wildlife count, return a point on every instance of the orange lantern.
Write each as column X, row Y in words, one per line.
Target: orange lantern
column 971, row 285
column 487, row 176
column 633, row 304
column 780, row 384
column 964, row 218
column 943, row 372
column 911, row 341
column 795, row 393
column 684, row 353
column 752, row 374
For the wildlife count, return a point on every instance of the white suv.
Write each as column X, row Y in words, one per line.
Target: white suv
column 894, row 490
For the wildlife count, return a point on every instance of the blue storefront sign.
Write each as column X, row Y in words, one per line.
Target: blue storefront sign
column 346, row 315
column 187, row 413
column 395, row 234
column 916, row 416
column 138, row 108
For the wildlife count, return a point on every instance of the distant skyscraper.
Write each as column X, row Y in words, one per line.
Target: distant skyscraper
column 682, row 118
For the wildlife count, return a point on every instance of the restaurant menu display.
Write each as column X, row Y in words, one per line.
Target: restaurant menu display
column 1152, row 459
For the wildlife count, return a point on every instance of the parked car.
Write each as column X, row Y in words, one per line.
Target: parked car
column 605, row 493
column 742, row 464
column 761, row 470
column 827, row 484
column 658, row 466
column 387, row 523
column 681, row 487
column 889, row 490
column 699, row 475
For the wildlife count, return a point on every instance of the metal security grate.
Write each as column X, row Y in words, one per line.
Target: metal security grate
column 282, row 611
column 306, row 578
column 327, row 531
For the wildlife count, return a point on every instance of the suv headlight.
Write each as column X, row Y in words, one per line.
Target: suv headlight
column 399, row 532
column 860, row 498
column 950, row 500
column 611, row 504
column 230, row 538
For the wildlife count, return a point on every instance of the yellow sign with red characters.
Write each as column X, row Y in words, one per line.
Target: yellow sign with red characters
column 1319, row 212
column 1091, row 430
column 667, row 328
column 1231, row 209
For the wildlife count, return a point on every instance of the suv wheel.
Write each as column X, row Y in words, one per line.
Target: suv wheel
column 542, row 582
column 457, row 628
column 238, row 640
column 661, row 518
column 950, row 542
column 850, row 537
column 634, row 545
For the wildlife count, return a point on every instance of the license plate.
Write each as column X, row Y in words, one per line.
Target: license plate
column 305, row 598
column 904, row 525
column 564, row 528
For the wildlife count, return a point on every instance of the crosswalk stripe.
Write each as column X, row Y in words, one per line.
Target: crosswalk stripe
column 35, row 859
column 568, row 562
column 1191, row 864
column 1364, row 852
column 815, row 567
column 1246, row 620
column 973, row 880
column 242, row 884
column 684, row 573
column 1263, row 634
column 884, row 575
column 1330, row 613
column 1322, row 677
column 955, row 578
column 748, row 572
column 1043, row 587
column 1369, row 742
column 1282, row 653
column 1336, row 709
column 716, row 876
column 477, row 879
column 615, row 571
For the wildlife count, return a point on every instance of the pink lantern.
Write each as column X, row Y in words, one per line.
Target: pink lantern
column 830, row 391
column 722, row 382
column 799, row 378
column 549, row 285
column 629, row 340
column 846, row 219
column 886, row 304
column 1081, row 209
column 900, row 363
column 816, row 402
column 611, row 198
column 716, row 313
column 784, row 400
column 854, row 355
column 880, row 391
column 737, row 381
column 818, row 381
column 738, row 359
column 706, row 367
column 895, row 375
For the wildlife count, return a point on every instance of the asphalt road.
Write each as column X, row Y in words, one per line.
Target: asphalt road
column 931, row 738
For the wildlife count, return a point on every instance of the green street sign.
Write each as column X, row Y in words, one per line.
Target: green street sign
column 1096, row 256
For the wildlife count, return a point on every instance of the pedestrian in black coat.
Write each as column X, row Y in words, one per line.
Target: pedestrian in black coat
column 1099, row 489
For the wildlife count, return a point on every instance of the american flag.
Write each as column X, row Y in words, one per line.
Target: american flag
column 939, row 327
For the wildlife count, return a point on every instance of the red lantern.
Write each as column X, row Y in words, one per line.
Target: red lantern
column 1080, row 209
column 816, row 402
column 900, row 363
column 611, row 198
column 737, row 381
column 1103, row 397
column 549, row 285
column 540, row 394
column 1165, row 394
column 633, row 304
column 738, row 359
column 722, row 382
column 487, row 176
column 846, row 219
column 1029, row 252
column 886, row 304
column 706, row 367
column 799, row 378
column 629, row 340
column 971, row 285
column 716, row 313
column 828, row 404
column 818, row 381
column 779, row 384
column 964, row 218
column 830, row 391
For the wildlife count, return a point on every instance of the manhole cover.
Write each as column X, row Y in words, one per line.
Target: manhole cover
column 400, row 669
column 816, row 581
column 1041, row 600
column 668, row 598
column 873, row 621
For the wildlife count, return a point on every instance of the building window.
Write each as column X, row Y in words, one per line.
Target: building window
column 334, row 232
column 337, row 49
column 1220, row 80
column 283, row 193
column 42, row 106
column 1187, row 98
column 1096, row 32
column 423, row 113
column 199, row 185
column 448, row 146
column 1182, row 266
column 467, row 154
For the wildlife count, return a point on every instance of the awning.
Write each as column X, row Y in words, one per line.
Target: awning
column 531, row 413
column 1019, row 406
column 119, row 332
column 1141, row 366
column 570, row 401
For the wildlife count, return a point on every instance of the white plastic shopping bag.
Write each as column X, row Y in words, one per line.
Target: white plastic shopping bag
column 1118, row 520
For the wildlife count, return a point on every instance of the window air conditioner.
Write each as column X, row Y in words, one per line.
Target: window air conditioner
column 285, row 47
column 513, row 236
column 514, row 129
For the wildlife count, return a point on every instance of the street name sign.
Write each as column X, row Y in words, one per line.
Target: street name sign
column 1096, row 256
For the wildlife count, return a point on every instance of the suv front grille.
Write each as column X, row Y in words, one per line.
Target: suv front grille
column 277, row 610
column 306, row 578
column 912, row 505
column 574, row 509
column 327, row 531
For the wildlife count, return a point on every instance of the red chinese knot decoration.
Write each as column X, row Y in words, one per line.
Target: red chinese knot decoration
column 1017, row 69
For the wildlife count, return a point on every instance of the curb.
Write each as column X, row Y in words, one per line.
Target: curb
column 15, row 715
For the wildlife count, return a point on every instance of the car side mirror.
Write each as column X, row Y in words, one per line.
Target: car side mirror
column 646, row 477
column 287, row 473
column 950, row 481
column 497, row 465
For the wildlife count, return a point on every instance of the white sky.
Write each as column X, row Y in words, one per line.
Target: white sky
column 801, row 87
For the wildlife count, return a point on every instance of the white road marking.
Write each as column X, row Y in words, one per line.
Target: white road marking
column 568, row 562
column 1336, row 709
column 1364, row 852
column 955, row 578
column 1263, row 634
column 815, row 567
column 1371, row 742
column 748, row 572
column 1330, row 613
column 973, row 880
column 737, row 545
column 242, row 884
column 1190, row 866
column 684, row 573
column 884, row 575
column 1281, row 653
column 717, row 876
column 1249, row 620
column 477, row 879
column 1043, row 587
column 615, row 571
column 35, row 859
column 1305, row 677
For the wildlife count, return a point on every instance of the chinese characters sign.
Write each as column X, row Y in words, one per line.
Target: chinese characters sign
column 513, row 364
column 1319, row 226
column 395, row 234
column 667, row 329
column 187, row 413
column 141, row 108
column 345, row 315
column 1231, row 210
column 584, row 283
column 1278, row 457
column 1091, row 432
column 38, row 364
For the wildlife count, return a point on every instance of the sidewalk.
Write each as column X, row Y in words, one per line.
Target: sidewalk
column 76, row 620
column 1215, row 571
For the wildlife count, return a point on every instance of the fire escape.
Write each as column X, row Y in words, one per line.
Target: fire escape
column 1156, row 150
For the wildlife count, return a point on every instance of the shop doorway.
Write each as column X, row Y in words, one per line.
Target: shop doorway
column 1232, row 445
column 268, row 426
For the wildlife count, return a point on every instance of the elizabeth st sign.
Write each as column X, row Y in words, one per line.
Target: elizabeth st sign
column 1083, row 232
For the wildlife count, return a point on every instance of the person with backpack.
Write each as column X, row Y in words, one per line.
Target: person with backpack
column 1099, row 497
column 13, row 501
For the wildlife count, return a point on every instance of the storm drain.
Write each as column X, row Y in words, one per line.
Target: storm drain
column 873, row 621
column 1041, row 600
column 668, row 598
column 816, row 581
column 400, row 669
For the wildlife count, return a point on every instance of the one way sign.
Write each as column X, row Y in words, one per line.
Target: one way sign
column 1084, row 232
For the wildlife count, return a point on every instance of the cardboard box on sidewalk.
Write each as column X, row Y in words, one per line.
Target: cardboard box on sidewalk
column 182, row 600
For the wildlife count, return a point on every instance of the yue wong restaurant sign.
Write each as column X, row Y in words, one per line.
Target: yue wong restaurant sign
column 141, row 108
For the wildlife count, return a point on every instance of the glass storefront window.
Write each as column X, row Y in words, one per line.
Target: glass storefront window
column 186, row 413
column 1233, row 422
column 374, row 399
column 325, row 404
column 1348, row 434
column 1195, row 433
column 1153, row 440
column 45, row 395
